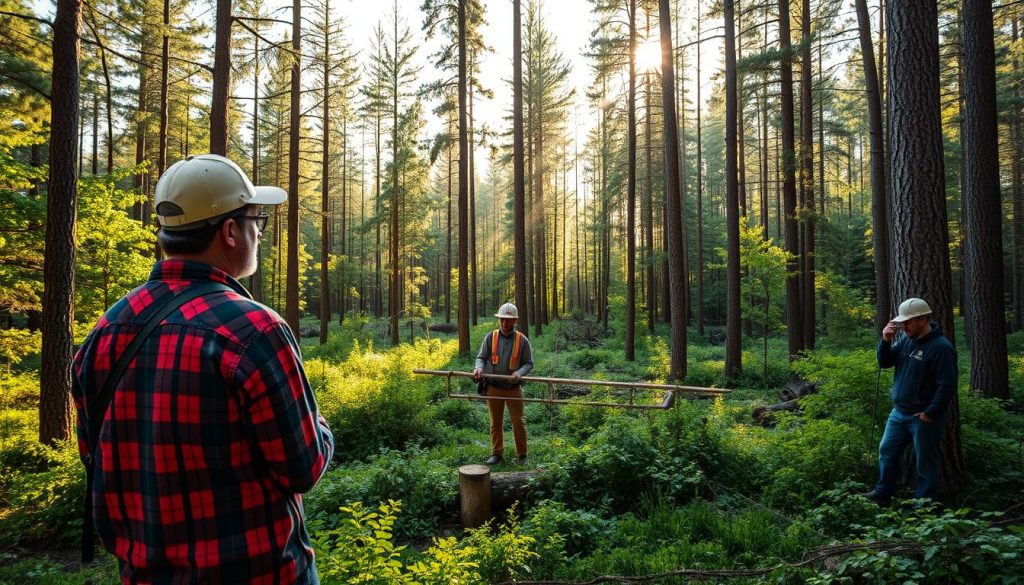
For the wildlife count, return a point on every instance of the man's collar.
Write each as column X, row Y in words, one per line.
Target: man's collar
column 189, row 270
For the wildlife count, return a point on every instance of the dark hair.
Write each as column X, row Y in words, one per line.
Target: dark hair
column 194, row 241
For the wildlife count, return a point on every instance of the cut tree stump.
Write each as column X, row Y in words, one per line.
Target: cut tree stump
column 474, row 495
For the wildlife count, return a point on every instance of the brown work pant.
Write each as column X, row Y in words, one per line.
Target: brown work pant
column 496, row 408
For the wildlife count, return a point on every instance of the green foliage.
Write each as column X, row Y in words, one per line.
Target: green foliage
column 115, row 252
column 936, row 547
column 44, row 488
column 361, row 548
column 425, row 486
column 32, row 570
column 841, row 512
column 505, row 555
column 764, row 278
column 614, row 465
column 372, row 400
column 16, row 344
column 849, row 316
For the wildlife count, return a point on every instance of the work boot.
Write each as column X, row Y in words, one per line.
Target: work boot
column 521, row 460
column 493, row 460
column 880, row 499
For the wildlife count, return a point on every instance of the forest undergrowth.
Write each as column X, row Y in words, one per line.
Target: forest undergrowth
column 700, row 487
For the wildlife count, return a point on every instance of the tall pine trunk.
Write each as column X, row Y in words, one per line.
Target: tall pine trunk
column 631, row 190
column 879, row 196
column 463, row 189
column 794, row 314
column 807, row 178
column 325, row 189
column 518, row 179
column 733, row 355
column 219, row 105
column 676, row 246
column 920, row 238
column 983, row 207
column 59, row 261
column 291, row 301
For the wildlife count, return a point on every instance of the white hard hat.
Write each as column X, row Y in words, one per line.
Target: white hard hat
column 507, row 311
column 206, row 186
column 911, row 308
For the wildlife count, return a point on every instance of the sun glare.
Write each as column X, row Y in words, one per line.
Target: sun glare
column 648, row 56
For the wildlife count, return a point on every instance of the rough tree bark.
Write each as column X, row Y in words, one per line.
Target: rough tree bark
column 733, row 355
column 983, row 207
column 518, row 179
column 677, row 280
column 463, row 190
column 879, row 196
column 59, row 261
column 794, row 315
column 219, row 105
column 920, row 240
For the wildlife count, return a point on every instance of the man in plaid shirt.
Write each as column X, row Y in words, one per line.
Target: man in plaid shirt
column 213, row 431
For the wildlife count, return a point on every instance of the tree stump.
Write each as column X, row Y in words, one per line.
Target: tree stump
column 474, row 495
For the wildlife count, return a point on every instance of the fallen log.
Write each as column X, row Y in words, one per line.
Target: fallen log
column 764, row 415
column 796, row 388
column 443, row 327
column 506, row 488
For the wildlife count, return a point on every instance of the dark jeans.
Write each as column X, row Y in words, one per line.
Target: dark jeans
column 900, row 430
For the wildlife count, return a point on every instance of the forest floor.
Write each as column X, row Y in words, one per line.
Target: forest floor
column 612, row 486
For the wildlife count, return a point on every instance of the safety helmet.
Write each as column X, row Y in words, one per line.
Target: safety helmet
column 911, row 308
column 200, row 189
column 507, row 311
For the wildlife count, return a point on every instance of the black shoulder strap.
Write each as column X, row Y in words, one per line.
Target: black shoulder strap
column 96, row 410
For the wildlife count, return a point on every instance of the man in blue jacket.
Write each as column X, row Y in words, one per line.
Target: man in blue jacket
column 924, row 384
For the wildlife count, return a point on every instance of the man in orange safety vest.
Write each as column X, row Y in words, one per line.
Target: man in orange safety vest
column 505, row 352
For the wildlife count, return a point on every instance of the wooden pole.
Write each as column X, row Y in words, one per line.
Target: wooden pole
column 474, row 495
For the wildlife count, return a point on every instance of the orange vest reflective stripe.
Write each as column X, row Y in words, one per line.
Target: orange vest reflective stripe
column 515, row 349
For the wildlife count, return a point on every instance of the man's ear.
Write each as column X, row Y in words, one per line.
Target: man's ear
column 229, row 232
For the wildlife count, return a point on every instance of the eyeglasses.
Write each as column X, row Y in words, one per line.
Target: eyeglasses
column 261, row 220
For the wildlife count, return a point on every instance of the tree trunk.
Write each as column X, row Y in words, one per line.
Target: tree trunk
column 652, row 293
column 518, row 180
column 807, row 185
column 325, row 189
column 879, row 197
column 59, row 261
column 463, row 190
column 676, row 249
column 161, row 161
column 472, row 212
column 733, row 355
column 220, row 105
column 794, row 315
column 983, row 207
column 256, row 282
column 394, row 307
column 920, row 240
column 699, row 312
column 1017, row 268
column 292, row 285
column 631, row 190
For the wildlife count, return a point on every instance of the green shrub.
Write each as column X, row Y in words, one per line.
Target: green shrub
column 372, row 400
column 504, row 555
column 935, row 547
column 613, row 466
column 45, row 503
column 425, row 486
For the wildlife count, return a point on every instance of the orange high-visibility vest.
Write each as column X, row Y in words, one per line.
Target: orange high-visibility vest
column 515, row 349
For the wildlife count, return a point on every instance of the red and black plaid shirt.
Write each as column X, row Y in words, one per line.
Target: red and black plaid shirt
column 212, row 434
